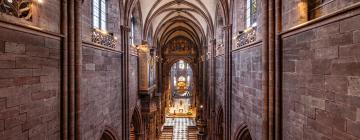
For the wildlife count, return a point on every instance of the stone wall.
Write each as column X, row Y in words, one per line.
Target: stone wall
column 247, row 97
column 321, row 80
column 46, row 16
column 29, row 86
column 294, row 12
column 113, row 20
column 101, row 90
column 100, row 98
column 133, row 83
column 220, row 81
column 239, row 23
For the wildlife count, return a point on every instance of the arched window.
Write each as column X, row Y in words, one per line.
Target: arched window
column 174, row 81
column 99, row 14
column 107, row 135
column 250, row 18
column 181, row 64
column 132, row 36
column 188, row 79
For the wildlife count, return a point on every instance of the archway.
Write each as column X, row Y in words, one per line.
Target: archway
column 108, row 135
column 220, row 34
column 135, row 25
column 220, row 124
column 181, row 91
column 243, row 133
column 136, row 126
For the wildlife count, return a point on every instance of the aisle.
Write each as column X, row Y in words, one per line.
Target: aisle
column 180, row 127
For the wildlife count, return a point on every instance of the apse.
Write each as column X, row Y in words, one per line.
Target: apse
column 181, row 101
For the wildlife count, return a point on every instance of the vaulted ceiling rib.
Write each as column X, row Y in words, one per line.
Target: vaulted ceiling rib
column 187, row 18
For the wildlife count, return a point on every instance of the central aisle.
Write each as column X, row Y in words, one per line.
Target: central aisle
column 180, row 127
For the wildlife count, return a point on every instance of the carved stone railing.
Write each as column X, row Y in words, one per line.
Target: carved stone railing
column 17, row 8
column 103, row 38
column 246, row 37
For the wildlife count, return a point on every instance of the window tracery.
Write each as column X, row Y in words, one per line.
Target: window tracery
column 100, row 34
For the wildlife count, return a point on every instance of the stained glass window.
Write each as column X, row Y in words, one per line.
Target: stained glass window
column 181, row 65
column 174, row 81
column 250, row 18
column 99, row 14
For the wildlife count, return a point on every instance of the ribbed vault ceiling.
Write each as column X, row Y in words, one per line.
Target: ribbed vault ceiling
column 192, row 19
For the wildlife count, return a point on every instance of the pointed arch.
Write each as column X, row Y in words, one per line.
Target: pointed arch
column 136, row 127
column 108, row 134
column 220, row 123
column 242, row 133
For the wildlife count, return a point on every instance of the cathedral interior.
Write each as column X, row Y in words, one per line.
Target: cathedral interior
column 179, row 69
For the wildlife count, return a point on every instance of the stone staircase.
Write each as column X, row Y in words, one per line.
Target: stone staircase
column 167, row 133
column 192, row 133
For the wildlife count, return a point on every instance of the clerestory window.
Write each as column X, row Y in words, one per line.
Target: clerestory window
column 99, row 14
column 132, row 32
column 251, row 9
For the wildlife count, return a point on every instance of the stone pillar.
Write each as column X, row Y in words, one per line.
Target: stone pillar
column 212, row 100
column 278, row 71
column 64, row 84
column 71, row 54
column 265, row 68
column 228, row 33
column 125, row 84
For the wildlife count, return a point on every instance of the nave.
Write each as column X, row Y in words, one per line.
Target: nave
column 179, row 69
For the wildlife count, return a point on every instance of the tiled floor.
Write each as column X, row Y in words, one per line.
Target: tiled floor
column 180, row 127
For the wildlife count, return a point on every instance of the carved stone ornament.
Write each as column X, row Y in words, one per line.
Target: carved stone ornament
column 103, row 38
column 246, row 37
column 17, row 8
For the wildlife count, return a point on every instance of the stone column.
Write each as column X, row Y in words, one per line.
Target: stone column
column 228, row 33
column 72, row 54
column 271, row 65
column 266, row 81
column 77, row 66
column 212, row 86
column 64, row 72
column 278, row 73
column 125, row 82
